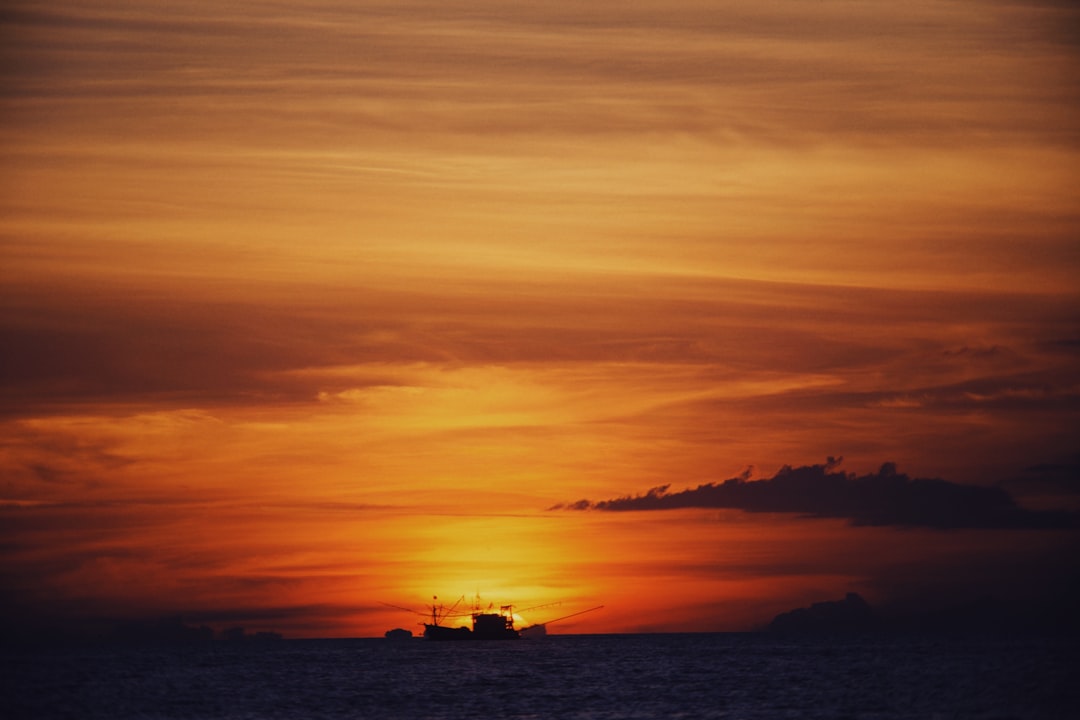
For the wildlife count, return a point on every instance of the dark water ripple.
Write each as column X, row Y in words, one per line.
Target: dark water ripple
column 585, row 677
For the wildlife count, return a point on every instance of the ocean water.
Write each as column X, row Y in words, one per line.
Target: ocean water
column 571, row 676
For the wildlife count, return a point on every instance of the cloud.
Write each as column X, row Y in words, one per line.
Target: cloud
column 76, row 344
column 877, row 499
column 784, row 71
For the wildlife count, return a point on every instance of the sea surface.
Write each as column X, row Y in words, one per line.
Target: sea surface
column 563, row 676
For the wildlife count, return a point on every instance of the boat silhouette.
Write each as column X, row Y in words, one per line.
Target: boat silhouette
column 490, row 623
column 539, row 630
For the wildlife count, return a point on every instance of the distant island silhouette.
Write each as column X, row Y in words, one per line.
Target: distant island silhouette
column 851, row 615
column 172, row 630
column 165, row 631
column 987, row 615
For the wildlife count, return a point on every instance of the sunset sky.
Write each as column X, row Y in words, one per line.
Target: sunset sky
column 311, row 306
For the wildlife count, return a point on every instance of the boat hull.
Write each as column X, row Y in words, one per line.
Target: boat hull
column 534, row 632
column 480, row 631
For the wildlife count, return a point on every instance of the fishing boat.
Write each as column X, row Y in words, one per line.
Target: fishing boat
column 488, row 623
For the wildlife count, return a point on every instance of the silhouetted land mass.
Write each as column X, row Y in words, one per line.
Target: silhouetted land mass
column 173, row 631
column 849, row 616
column 984, row 616
column 886, row 497
column 169, row 631
column 239, row 635
column 164, row 631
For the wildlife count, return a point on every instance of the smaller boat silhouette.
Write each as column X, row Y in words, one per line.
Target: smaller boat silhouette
column 539, row 630
column 398, row 634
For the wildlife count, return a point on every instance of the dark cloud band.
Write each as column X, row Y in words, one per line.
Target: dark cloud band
column 882, row 498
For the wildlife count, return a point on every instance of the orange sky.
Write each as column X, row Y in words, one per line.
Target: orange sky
column 306, row 307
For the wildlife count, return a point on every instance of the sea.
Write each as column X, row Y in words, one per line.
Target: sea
column 591, row 677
